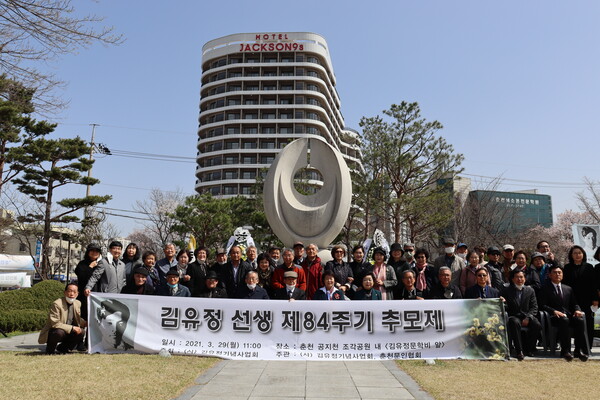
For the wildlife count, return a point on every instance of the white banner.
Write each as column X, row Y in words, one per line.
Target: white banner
column 300, row 330
column 587, row 236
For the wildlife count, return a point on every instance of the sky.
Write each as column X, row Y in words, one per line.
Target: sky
column 514, row 83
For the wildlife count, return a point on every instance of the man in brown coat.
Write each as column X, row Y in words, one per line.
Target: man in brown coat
column 64, row 324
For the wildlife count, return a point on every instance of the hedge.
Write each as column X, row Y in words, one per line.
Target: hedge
column 27, row 309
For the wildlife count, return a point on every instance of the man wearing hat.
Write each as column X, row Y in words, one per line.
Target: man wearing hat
column 539, row 265
column 450, row 260
column 494, row 267
column 290, row 291
column 299, row 254
column 462, row 250
column 211, row 288
column 139, row 284
column 172, row 287
column 508, row 255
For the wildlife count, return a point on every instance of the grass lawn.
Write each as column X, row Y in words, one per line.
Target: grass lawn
column 98, row 376
column 534, row 379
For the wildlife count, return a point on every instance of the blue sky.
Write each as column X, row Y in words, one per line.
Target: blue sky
column 514, row 83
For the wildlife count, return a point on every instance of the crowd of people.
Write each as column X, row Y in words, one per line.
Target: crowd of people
column 529, row 286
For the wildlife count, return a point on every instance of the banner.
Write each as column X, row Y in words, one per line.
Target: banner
column 586, row 236
column 298, row 330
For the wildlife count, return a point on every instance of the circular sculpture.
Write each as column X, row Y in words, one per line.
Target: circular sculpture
column 317, row 218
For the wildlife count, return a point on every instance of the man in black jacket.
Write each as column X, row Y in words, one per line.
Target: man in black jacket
column 233, row 272
column 522, row 308
column 290, row 291
column 559, row 301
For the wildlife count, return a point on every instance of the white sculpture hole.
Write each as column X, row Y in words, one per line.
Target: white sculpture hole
column 308, row 180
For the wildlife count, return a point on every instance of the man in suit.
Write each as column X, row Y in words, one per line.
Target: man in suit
column 64, row 324
column 482, row 290
column 234, row 271
column 559, row 301
column 444, row 288
column 290, row 291
column 251, row 290
column 522, row 308
column 110, row 273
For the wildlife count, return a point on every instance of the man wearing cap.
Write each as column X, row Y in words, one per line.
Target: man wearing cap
column 234, row 271
column 278, row 281
column 139, row 284
column 110, row 274
column 211, row 289
column 450, row 260
column 64, row 324
column 462, row 250
column 299, row 254
column 290, row 292
column 539, row 265
column 494, row 267
column 172, row 287
column 508, row 254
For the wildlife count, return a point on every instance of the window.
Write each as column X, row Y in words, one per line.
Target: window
column 233, row 102
column 299, row 114
column 252, row 88
column 233, row 131
column 235, row 88
column 248, row 159
column 268, row 116
column 248, row 174
column 285, row 101
column 267, row 159
column 286, row 87
column 267, row 145
column 285, row 130
column 299, row 57
column 313, row 102
column 250, row 102
column 215, row 191
column 269, row 130
column 251, row 116
column 230, row 160
column 232, row 145
column 230, row 175
column 285, row 116
column 235, row 74
column 249, row 145
column 312, row 87
column 229, row 190
column 22, row 247
column 231, row 116
column 269, row 101
column 250, row 130
column 299, row 85
column 246, row 190
column 269, row 87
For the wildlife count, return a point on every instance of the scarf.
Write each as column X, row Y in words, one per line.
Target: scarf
column 380, row 272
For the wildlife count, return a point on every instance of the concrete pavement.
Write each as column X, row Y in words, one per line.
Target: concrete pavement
column 291, row 380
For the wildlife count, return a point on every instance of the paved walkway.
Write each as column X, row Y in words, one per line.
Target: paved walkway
column 315, row 380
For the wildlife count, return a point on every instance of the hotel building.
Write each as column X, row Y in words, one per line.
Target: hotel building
column 259, row 92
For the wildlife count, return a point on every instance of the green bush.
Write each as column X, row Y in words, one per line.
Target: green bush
column 23, row 320
column 27, row 309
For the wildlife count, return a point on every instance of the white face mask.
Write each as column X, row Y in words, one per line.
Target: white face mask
column 409, row 255
column 519, row 287
column 69, row 300
column 546, row 254
column 594, row 308
column 290, row 287
column 462, row 255
column 449, row 250
column 251, row 286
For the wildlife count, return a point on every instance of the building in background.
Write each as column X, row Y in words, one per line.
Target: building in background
column 259, row 92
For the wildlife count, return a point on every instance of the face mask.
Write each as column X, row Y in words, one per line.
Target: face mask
column 449, row 250
column 462, row 255
column 594, row 309
column 290, row 287
column 251, row 286
column 172, row 286
column 69, row 300
column 546, row 254
column 519, row 287
column 409, row 255
column 221, row 263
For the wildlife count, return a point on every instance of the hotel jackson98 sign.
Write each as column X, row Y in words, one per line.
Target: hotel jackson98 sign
column 301, row 330
column 271, row 42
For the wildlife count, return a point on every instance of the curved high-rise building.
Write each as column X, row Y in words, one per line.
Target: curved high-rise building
column 259, row 92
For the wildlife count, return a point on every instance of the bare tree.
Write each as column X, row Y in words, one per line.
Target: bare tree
column 143, row 238
column 481, row 218
column 37, row 32
column 589, row 201
column 158, row 208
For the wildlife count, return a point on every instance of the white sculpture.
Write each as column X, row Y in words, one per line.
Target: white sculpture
column 317, row 218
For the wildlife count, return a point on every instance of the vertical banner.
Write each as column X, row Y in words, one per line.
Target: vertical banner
column 300, row 330
column 588, row 237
